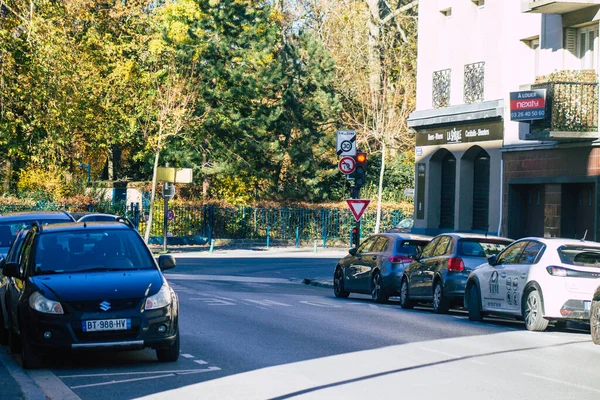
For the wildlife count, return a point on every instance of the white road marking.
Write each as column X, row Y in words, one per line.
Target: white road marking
column 187, row 356
column 267, row 303
column 562, row 382
column 214, row 302
column 209, row 369
column 364, row 304
column 223, row 278
column 318, row 304
column 201, row 362
column 174, row 371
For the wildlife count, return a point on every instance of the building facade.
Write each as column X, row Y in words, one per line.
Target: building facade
column 478, row 170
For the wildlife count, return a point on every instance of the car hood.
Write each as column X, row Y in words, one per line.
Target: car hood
column 84, row 286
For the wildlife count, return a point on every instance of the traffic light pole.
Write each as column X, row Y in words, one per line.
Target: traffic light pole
column 356, row 195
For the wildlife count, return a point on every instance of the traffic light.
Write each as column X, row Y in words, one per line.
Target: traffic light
column 354, row 237
column 361, row 169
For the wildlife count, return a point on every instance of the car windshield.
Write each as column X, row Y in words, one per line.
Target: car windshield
column 480, row 247
column 8, row 231
column 580, row 255
column 77, row 251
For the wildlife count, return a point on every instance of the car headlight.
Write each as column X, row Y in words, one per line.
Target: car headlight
column 42, row 304
column 160, row 299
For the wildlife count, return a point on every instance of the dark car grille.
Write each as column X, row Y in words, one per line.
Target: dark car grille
column 95, row 306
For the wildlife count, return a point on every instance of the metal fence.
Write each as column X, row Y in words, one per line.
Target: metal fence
column 215, row 222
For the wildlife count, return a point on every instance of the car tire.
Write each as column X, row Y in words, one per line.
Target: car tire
column 533, row 314
column 171, row 353
column 30, row 358
column 338, row 284
column 405, row 301
column 14, row 341
column 595, row 322
column 377, row 291
column 440, row 302
column 474, row 305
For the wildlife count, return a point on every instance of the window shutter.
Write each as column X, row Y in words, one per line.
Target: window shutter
column 571, row 40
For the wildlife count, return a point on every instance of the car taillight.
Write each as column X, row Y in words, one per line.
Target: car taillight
column 557, row 271
column 456, row 264
column 400, row 259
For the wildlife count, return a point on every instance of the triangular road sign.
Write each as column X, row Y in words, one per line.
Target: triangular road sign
column 358, row 207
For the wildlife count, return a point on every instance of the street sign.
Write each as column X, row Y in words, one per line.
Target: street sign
column 358, row 207
column 170, row 215
column 346, row 143
column 347, row 165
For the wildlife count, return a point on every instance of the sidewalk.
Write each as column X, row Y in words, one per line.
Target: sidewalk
column 15, row 382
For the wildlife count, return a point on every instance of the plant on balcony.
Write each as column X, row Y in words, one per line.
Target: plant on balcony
column 572, row 101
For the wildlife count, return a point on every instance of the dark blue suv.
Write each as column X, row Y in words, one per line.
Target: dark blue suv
column 86, row 286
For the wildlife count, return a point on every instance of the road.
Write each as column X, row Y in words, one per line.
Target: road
column 252, row 329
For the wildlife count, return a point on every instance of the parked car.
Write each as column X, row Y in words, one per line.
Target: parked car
column 537, row 279
column 12, row 223
column 439, row 274
column 595, row 317
column 89, row 286
column 105, row 217
column 375, row 267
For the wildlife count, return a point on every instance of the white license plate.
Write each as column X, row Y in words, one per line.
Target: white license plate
column 106, row 325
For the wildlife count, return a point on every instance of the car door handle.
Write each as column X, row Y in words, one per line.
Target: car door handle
column 523, row 275
column 503, row 275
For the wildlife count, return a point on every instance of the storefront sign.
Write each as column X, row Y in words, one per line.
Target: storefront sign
column 528, row 105
column 455, row 134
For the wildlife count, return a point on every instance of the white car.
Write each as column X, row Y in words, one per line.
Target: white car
column 537, row 279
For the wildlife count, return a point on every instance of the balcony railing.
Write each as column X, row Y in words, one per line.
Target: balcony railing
column 555, row 6
column 570, row 107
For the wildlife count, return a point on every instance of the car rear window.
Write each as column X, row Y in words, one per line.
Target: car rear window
column 580, row 255
column 480, row 247
column 11, row 229
column 69, row 251
column 410, row 247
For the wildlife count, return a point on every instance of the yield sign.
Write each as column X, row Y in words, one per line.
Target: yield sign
column 358, row 207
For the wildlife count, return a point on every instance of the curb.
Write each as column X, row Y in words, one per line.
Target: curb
column 317, row 282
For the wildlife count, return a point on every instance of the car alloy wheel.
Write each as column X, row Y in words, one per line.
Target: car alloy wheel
column 405, row 301
column 377, row 289
column 595, row 322
column 532, row 314
column 440, row 304
column 338, row 284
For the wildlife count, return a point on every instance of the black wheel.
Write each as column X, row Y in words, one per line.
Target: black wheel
column 29, row 355
column 595, row 322
column 405, row 301
column 474, row 305
column 377, row 292
column 533, row 313
column 440, row 302
column 338, row 284
column 171, row 353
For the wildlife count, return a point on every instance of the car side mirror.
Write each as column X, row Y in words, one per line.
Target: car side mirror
column 12, row 270
column 493, row 259
column 166, row 261
column 352, row 251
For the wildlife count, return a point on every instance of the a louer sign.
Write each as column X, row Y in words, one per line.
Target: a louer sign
column 528, row 105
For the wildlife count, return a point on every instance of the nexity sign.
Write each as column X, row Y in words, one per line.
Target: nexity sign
column 528, row 105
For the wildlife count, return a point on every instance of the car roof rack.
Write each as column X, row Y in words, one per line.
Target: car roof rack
column 125, row 221
column 37, row 225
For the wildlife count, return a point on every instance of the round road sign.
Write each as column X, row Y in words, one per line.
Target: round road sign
column 170, row 215
column 347, row 165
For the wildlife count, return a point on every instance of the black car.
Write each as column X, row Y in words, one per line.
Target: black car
column 12, row 223
column 89, row 286
column 439, row 275
column 104, row 217
column 376, row 266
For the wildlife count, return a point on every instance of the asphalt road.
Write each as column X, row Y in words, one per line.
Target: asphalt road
column 252, row 329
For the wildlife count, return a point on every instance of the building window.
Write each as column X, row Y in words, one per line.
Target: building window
column 441, row 88
column 587, row 47
column 474, row 74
